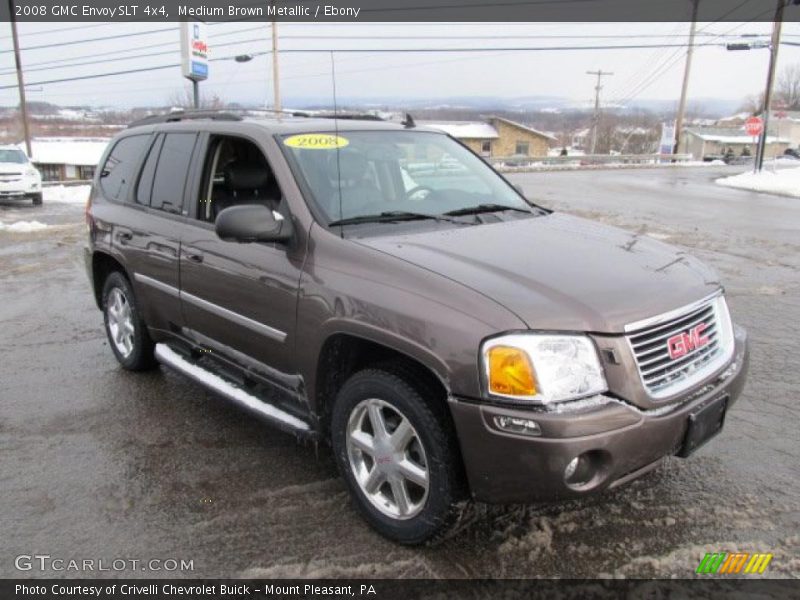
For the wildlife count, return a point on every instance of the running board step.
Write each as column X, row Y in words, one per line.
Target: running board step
column 167, row 356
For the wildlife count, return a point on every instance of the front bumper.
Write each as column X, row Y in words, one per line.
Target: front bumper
column 622, row 441
column 19, row 189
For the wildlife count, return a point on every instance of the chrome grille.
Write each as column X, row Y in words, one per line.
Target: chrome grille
column 662, row 375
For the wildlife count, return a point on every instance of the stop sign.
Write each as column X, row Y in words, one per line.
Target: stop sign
column 754, row 126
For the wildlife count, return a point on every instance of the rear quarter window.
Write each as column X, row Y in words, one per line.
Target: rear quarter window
column 172, row 171
column 119, row 169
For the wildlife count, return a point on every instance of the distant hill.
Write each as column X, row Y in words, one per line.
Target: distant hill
column 707, row 107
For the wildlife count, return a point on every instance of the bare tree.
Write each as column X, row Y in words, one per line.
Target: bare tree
column 787, row 89
column 185, row 99
column 753, row 104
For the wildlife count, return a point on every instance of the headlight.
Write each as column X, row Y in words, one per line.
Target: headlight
column 542, row 368
column 32, row 173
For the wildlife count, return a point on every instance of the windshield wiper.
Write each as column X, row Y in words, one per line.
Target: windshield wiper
column 389, row 216
column 483, row 208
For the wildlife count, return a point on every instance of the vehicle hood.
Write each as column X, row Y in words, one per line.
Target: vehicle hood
column 559, row 272
column 13, row 168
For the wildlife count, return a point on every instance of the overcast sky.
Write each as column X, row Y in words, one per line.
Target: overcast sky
column 638, row 73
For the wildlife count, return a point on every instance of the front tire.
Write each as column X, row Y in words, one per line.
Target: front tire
column 37, row 199
column 127, row 333
column 398, row 454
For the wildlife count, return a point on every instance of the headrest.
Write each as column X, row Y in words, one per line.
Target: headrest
column 352, row 165
column 240, row 175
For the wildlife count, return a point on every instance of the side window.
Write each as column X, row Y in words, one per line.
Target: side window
column 236, row 172
column 118, row 170
column 172, row 171
column 145, row 186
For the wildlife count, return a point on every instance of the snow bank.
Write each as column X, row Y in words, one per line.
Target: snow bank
column 66, row 194
column 23, row 226
column 785, row 182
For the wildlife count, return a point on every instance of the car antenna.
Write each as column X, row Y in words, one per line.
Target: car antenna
column 336, row 143
column 409, row 122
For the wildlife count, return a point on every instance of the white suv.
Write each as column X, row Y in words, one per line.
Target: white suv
column 18, row 177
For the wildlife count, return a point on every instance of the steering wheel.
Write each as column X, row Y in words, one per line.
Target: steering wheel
column 418, row 190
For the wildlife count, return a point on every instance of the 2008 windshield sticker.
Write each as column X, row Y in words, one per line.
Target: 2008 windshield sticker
column 316, row 141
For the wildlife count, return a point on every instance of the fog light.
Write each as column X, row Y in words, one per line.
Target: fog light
column 571, row 468
column 588, row 470
column 517, row 425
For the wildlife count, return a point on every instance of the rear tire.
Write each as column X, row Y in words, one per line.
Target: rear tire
column 127, row 333
column 404, row 475
column 37, row 199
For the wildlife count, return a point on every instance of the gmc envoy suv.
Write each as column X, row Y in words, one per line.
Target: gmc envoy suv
column 379, row 287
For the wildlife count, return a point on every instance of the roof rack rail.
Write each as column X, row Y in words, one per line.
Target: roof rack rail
column 334, row 115
column 185, row 115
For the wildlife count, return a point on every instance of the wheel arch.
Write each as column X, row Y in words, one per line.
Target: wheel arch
column 103, row 265
column 344, row 353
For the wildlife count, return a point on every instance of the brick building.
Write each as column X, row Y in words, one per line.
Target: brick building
column 497, row 137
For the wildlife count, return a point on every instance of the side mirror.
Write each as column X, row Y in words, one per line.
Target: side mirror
column 252, row 223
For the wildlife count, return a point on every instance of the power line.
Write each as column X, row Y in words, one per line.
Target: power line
column 661, row 70
column 98, row 39
column 384, row 51
column 66, row 62
column 672, row 61
column 60, row 30
column 121, row 58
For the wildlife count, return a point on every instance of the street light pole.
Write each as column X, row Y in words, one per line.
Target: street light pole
column 773, row 61
column 20, row 79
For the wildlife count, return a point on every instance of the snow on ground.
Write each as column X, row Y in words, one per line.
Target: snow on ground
column 23, row 226
column 785, row 182
column 66, row 194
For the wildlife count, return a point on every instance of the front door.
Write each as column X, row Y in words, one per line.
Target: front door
column 241, row 299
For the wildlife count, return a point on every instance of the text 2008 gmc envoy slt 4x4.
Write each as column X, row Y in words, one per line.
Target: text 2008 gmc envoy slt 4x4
column 379, row 286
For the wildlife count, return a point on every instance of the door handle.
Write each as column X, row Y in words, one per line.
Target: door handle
column 197, row 258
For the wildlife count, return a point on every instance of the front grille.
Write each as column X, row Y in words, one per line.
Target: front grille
column 663, row 375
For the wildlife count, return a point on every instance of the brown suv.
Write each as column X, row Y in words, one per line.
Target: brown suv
column 380, row 287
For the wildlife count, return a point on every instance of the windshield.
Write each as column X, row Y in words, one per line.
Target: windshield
column 391, row 174
column 10, row 155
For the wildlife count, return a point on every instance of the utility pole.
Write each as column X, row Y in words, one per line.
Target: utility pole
column 686, row 71
column 276, row 80
column 596, row 121
column 20, row 79
column 773, row 61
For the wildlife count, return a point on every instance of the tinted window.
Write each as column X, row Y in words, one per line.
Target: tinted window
column 148, row 173
column 118, row 172
column 173, row 167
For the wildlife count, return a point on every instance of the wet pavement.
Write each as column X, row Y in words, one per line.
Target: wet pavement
column 98, row 463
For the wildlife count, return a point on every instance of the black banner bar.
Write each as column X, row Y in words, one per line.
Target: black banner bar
column 356, row 11
column 383, row 589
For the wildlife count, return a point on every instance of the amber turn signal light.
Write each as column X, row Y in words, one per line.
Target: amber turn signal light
column 510, row 372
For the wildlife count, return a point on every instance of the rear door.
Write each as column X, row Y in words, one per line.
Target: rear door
column 152, row 239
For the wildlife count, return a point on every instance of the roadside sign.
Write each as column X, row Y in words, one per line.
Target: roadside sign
column 667, row 143
column 753, row 126
column 194, row 50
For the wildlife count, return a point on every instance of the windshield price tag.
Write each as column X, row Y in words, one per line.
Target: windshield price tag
column 316, row 141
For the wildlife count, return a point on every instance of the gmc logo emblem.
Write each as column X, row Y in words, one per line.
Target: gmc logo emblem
column 683, row 343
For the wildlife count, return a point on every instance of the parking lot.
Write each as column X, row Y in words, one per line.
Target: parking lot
column 101, row 463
